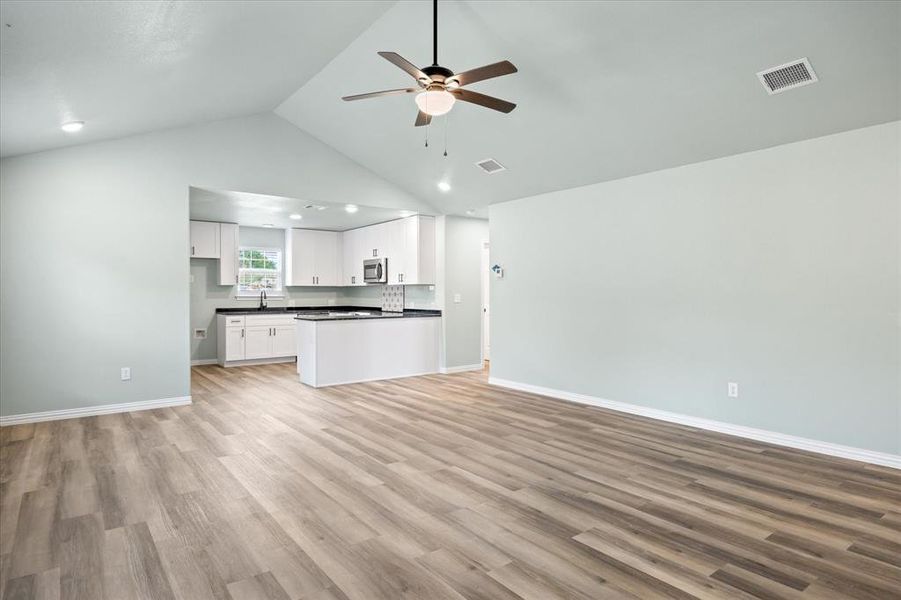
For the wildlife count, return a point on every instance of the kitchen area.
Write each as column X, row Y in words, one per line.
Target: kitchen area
column 347, row 292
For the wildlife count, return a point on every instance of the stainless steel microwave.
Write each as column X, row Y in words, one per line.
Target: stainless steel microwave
column 375, row 270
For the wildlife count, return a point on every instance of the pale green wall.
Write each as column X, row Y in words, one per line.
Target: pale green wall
column 106, row 227
column 463, row 238
column 777, row 269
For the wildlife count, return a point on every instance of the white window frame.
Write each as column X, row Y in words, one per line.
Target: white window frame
column 255, row 294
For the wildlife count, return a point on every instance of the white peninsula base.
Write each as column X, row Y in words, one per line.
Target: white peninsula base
column 332, row 352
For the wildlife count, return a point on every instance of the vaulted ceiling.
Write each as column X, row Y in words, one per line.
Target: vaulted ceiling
column 138, row 66
column 604, row 90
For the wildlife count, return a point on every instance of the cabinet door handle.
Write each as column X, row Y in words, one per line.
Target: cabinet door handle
column 353, row 279
column 242, row 333
column 192, row 250
column 236, row 279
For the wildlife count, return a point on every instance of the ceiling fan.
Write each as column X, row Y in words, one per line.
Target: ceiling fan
column 439, row 87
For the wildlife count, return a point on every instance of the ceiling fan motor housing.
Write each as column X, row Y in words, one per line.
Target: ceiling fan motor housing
column 438, row 73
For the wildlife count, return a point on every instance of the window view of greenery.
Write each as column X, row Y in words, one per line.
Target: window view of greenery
column 259, row 269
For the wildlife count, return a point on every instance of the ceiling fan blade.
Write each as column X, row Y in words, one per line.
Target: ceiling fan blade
column 505, row 67
column 399, row 61
column 382, row 93
column 483, row 100
column 423, row 119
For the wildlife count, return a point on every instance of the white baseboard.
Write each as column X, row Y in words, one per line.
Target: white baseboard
column 89, row 411
column 258, row 361
column 761, row 435
column 368, row 379
column 461, row 369
column 204, row 361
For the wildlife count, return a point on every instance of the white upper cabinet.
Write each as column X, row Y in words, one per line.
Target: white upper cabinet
column 411, row 258
column 328, row 258
column 228, row 254
column 408, row 245
column 353, row 255
column 312, row 258
column 204, row 239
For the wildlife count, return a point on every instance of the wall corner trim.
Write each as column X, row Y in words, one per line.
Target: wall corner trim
column 90, row 411
column 761, row 435
column 462, row 368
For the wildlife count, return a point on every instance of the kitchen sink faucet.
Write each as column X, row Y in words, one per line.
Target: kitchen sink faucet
column 263, row 303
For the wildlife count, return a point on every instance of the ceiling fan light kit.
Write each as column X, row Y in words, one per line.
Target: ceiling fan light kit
column 435, row 102
column 438, row 87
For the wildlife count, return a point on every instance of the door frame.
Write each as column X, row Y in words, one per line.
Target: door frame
column 485, row 302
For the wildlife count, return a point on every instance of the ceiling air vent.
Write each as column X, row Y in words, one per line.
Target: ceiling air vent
column 791, row 75
column 491, row 166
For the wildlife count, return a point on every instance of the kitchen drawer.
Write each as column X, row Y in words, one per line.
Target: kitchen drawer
column 269, row 320
column 237, row 321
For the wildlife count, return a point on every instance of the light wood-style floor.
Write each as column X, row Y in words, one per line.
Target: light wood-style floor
column 438, row 487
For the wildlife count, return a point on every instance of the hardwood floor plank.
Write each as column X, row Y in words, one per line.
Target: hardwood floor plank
column 438, row 487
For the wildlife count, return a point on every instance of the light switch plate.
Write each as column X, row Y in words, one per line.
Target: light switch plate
column 458, row 299
column 125, row 373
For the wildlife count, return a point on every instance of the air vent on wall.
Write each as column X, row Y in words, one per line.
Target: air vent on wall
column 491, row 166
column 791, row 75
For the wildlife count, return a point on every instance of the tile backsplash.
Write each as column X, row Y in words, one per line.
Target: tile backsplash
column 393, row 298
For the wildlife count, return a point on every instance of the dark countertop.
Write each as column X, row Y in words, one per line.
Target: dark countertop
column 357, row 315
column 328, row 313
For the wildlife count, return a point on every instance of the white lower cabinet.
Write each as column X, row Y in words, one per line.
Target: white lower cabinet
column 283, row 343
column 255, row 337
column 257, row 342
column 234, row 344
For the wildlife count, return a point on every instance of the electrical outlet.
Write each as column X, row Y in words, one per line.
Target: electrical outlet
column 733, row 389
column 126, row 373
column 458, row 299
column 200, row 334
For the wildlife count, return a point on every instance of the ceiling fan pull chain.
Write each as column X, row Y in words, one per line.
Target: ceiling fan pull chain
column 446, row 117
column 427, row 125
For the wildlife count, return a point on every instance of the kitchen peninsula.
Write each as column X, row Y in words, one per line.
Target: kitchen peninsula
column 349, row 346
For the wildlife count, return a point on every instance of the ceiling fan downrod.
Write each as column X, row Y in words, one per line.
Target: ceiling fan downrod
column 434, row 33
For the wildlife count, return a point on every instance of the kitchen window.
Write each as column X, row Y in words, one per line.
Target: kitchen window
column 259, row 269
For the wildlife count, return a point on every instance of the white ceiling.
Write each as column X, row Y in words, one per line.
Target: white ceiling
column 131, row 67
column 260, row 210
column 604, row 89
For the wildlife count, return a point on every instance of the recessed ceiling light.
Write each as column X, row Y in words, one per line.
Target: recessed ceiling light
column 72, row 126
column 444, row 186
column 471, row 212
column 295, row 216
column 268, row 225
column 321, row 207
column 351, row 208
